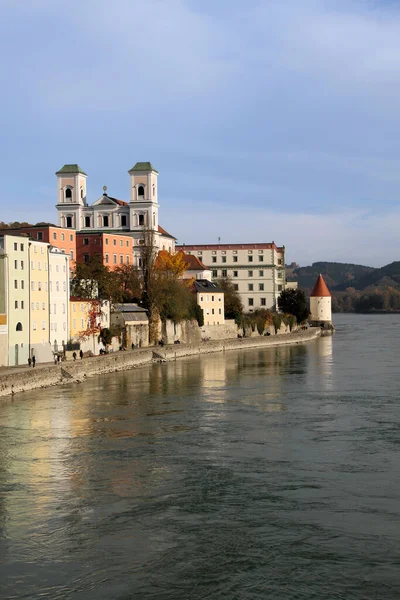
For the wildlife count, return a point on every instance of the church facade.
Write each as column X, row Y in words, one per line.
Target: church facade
column 109, row 215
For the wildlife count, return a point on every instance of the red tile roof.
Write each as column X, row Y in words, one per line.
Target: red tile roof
column 320, row 288
column 163, row 232
column 193, row 263
column 266, row 246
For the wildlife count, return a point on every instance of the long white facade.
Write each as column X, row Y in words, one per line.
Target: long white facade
column 256, row 270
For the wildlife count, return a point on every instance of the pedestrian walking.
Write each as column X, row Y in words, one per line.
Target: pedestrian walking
column 81, row 353
column 29, row 362
column 74, row 355
column 33, row 360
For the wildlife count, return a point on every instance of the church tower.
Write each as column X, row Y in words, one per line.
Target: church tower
column 320, row 305
column 71, row 189
column 143, row 205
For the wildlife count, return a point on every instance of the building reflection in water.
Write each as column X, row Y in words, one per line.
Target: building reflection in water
column 320, row 364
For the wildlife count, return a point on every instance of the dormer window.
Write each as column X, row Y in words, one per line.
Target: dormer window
column 68, row 194
column 140, row 191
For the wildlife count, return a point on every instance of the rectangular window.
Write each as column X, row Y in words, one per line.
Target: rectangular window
column 22, row 284
column 16, row 284
column 21, row 247
column 86, row 241
column 220, row 311
column 279, row 261
column 235, row 258
column 279, row 288
column 55, row 235
column 62, row 237
column 235, row 273
column 71, row 237
column 40, row 236
column 123, row 220
column 251, row 301
column 115, row 242
column 115, row 259
column 15, row 264
column 72, row 254
column 224, row 273
column 261, row 273
column 215, row 273
column 250, row 258
column 22, row 265
column 224, row 259
column 261, row 287
column 121, row 259
column 106, row 241
column 15, row 246
column 86, row 258
column 127, row 260
column 263, row 302
column 16, row 304
column 261, row 258
column 235, row 287
column 214, row 259
column 280, row 274
column 250, row 273
column 121, row 243
column 127, row 243
column 106, row 258
column 105, row 221
column 212, row 311
column 250, row 287
column 87, row 221
column 22, row 304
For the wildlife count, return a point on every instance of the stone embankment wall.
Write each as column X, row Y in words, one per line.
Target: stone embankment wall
column 67, row 372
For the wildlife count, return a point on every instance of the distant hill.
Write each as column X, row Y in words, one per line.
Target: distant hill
column 335, row 274
column 386, row 277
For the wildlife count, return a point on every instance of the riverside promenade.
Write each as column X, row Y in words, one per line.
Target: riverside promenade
column 19, row 379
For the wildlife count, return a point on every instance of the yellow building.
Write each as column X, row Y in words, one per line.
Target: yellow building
column 210, row 298
column 39, row 302
column 86, row 318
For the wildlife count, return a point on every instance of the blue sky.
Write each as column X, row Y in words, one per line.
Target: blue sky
column 267, row 120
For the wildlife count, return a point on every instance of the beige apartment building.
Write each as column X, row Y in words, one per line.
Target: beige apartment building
column 210, row 298
column 14, row 300
column 39, row 302
column 256, row 270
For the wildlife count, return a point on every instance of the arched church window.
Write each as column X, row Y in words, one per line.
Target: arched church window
column 81, row 193
column 140, row 191
column 105, row 221
column 69, row 221
column 123, row 220
column 68, row 194
column 18, row 327
column 87, row 221
column 154, row 190
column 141, row 219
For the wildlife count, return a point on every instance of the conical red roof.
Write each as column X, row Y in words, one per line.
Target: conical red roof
column 320, row 288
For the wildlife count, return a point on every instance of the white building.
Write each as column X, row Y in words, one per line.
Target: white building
column 320, row 303
column 108, row 214
column 257, row 270
column 58, row 298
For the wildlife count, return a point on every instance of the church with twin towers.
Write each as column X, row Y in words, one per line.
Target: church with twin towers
column 110, row 215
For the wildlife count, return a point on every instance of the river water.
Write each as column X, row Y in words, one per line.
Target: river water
column 262, row 474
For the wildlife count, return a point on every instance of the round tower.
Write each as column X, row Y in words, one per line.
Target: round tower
column 320, row 304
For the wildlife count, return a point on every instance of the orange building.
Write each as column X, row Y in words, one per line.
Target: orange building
column 64, row 239
column 115, row 249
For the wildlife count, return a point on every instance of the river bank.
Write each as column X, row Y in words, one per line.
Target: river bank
column 67, row 372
